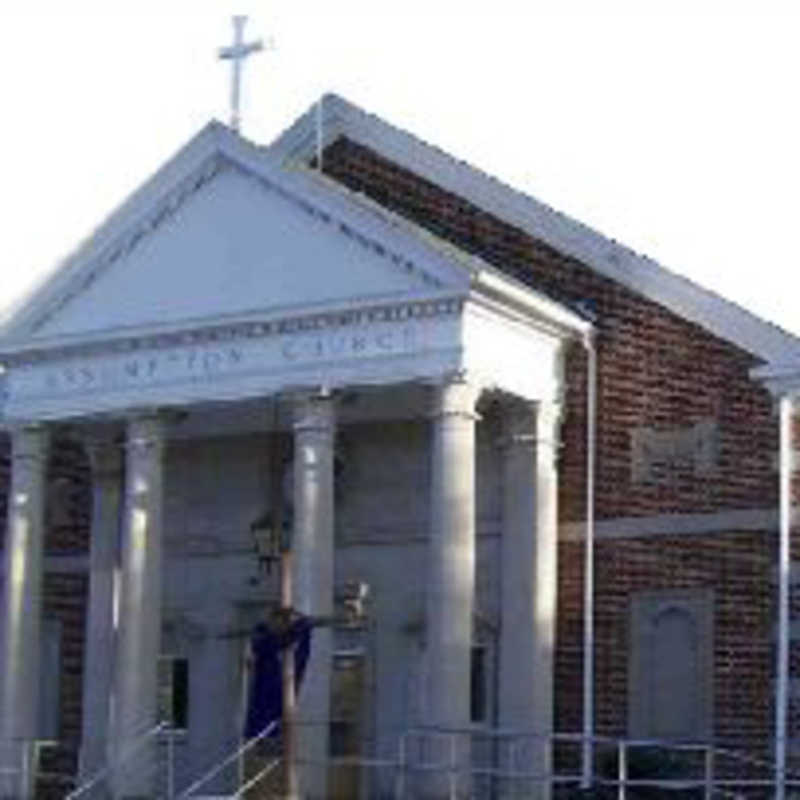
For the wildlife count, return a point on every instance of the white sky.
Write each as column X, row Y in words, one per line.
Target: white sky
column 670, row 126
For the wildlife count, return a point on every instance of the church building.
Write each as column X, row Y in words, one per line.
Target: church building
column 430, row 387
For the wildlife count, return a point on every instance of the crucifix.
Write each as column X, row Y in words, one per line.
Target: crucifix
column 284, row 625
column 236, row 54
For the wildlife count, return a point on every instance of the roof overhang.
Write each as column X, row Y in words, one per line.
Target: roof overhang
column 609, row 258
column 781, row 379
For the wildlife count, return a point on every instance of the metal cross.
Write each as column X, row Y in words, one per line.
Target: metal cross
column 236, row 54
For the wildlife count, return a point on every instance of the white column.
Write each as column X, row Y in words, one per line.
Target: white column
column 312, row 578
column 529, row 581
column 105, row 457
column 139, row 635
column 451, row 572
column 22, row 604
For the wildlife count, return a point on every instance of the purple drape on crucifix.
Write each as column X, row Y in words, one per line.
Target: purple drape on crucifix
column 265, row 700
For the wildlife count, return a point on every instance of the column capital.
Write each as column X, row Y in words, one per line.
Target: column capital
column 145, row 431
column 456, row 396
column 105, row 453
column 30, row 442
column 530, row 422
column 518, row 426
column 313, row 411
column 548, row 420
column 548, row 429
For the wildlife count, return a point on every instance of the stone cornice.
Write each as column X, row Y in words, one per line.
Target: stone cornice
column 170, row 202
column 233, row 331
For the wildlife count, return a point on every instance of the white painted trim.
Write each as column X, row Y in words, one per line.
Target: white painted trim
column 227, row 328
column 794, row 689
column 793, row 631
column 751, row 519
column 587, row 746
column 607, row 257
column 783, row 566
column 552, row 314
column 794, row 574
column 780, row 378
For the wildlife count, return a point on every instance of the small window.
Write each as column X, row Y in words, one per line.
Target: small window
column 173, row 691
column 477, row 685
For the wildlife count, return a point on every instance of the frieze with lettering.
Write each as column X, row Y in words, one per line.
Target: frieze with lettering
column 141, row 369
column 153, row 375
column 349, row 344
column 216, row 361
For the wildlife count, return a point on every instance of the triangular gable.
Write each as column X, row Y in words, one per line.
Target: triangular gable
column 608, row 258
column 223, row 231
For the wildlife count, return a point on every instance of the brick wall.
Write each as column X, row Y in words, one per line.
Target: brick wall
column 655, row 369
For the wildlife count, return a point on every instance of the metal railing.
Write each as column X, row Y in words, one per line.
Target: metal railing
column 460, row 763
column 135, row 746
column 513, row 763
column 238, row 760
column 20, row 767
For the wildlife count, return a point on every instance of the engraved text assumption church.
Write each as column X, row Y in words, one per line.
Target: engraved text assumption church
column 398, row 350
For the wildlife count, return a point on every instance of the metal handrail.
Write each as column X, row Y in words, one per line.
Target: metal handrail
column 230, row 759
column 256, row 778
column 711, row 780
column 132, row 747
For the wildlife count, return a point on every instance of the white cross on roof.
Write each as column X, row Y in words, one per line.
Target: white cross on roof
column 236, row 54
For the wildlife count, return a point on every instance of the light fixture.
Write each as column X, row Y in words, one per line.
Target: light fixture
column 267, row 541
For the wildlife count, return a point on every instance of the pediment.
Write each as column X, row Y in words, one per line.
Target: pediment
column 235, row 237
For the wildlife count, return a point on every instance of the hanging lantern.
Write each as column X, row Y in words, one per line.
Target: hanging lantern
column 266, row 541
